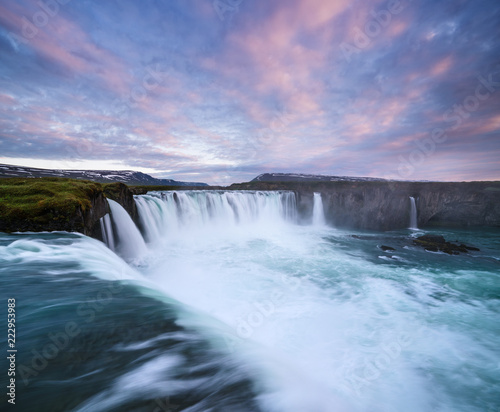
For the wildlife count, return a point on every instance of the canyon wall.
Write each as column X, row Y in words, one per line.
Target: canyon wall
column 364, row 205
column 385, row 205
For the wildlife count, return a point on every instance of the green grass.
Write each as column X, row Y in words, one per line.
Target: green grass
column 112, row 190
column 39, row 199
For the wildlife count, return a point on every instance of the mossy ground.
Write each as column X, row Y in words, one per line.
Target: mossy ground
column 44, row 199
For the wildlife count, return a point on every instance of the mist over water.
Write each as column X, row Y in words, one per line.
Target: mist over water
column 232, row 305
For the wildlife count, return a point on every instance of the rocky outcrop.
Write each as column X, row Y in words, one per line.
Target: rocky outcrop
column 51, row 204
column 91, row 225
column 36, row 205
column 436, row 243
column 81, row 220
column 121, row 193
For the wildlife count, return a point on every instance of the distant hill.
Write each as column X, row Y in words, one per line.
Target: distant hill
column 102, row 176
column 297, row 177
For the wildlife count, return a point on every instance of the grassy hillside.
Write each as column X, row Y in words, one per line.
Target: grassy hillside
column 45, row 200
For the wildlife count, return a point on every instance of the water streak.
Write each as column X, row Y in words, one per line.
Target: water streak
column 172, row 212
column 413, row 213
column 318, row 218
column 130, row 243
column 107, row 231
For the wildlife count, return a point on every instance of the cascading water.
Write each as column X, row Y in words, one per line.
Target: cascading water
column 130, row 243
column 413, row 213
column 165, row 213
column 107, row 231
column 154, row 216
column 235, row 307
column 318, row 218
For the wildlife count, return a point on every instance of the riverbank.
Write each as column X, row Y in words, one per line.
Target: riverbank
column 62, row 204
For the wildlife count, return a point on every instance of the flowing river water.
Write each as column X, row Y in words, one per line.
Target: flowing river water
column 222, row 301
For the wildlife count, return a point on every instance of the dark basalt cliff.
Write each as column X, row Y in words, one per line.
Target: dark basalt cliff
column 53, row 204
column 73, row 217
column 121, row 193
column 385, row 205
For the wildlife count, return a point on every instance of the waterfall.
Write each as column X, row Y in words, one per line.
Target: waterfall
column 130, row 243
column 413, row 213
column 153, row 215
column 107, row 231
column 318, row 217
column 169, row 212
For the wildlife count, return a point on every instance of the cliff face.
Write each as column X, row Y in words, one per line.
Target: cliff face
column 51, row 204
column 121, row 193
column 459, row 204
column 385, row 205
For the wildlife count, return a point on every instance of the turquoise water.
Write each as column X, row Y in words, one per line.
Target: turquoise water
column 234, row 307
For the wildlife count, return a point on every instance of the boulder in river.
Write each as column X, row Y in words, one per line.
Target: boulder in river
column 437, row 243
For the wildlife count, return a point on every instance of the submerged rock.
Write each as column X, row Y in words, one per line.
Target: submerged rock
column 437, row 243
column 386, row 248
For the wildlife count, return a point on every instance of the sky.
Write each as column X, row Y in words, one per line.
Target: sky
column 220, row 91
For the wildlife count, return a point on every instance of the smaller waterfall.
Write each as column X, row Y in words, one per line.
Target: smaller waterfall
column 318, row 218
column 413, row 213
column 130, row 243
column 107, row 231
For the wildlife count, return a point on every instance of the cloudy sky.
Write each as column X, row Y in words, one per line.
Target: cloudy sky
column 221, row 91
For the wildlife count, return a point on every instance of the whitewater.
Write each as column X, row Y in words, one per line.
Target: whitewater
column 232, row 301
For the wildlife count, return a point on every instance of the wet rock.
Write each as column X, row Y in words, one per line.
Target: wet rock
column 121, row 193
column 471, row 248
column 386, row 248
column 436, row 243
column 432, row 239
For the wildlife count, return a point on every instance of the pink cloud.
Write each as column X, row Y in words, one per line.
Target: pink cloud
column 67, row 44
column 7, row 100
column 442, row 67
